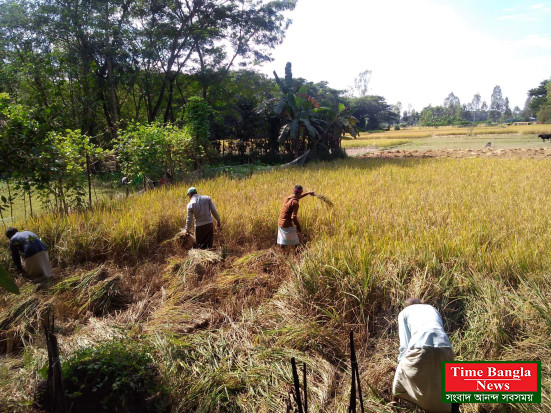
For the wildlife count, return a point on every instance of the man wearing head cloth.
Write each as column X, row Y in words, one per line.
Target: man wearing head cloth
column 286, row 232
column 200, row 208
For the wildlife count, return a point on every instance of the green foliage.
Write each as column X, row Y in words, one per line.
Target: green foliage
column 198, row 117
column 372, row 112
column 119, row 376
column 152, row 150
column 439, row 116
column 20, row 141
column 6, row 281
column 544, row 111
column 66, row 165
column 539, row 96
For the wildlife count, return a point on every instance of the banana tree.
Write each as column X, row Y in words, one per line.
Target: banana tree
column 300, row 114
column 309, row 124
column 339, row 121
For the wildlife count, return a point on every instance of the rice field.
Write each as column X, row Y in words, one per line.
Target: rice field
column 425, row 132
column 375, row 143
column 470, row 236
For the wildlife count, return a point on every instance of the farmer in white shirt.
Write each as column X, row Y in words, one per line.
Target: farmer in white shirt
column 200, row 208
column 423, row 346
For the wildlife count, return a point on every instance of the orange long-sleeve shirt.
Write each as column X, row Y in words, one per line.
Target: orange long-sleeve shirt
column 289, row 212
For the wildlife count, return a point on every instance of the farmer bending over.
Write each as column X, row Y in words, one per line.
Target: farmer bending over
column 286, row 232
column 34, row 260
column 423, row 345
column 200, row 208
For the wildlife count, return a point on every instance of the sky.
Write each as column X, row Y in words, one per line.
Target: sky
column 421, row 50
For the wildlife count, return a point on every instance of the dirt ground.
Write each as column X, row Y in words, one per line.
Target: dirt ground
column 537, row 153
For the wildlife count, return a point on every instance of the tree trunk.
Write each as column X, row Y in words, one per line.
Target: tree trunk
column 62, row 198
column 31, row 203
column 9, row 198
column 169, row 114
column 2, row 218
column 25, row 204
column 89, row 179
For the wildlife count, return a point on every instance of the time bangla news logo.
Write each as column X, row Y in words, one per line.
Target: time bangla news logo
column 491, row 382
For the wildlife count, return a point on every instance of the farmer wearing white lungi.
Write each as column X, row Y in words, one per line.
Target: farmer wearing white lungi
column 423, row 346
column 34, row 259
column 287, row 233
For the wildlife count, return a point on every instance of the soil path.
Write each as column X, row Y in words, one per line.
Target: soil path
column 539, row 153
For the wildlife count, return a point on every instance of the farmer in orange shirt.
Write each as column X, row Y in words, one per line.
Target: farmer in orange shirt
column 287, row 233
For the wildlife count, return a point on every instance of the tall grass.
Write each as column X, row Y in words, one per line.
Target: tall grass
column 469, row 236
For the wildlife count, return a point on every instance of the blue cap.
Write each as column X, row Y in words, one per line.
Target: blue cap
column 191, row 190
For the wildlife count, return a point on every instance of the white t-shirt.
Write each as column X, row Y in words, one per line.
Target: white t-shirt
column 420, row 325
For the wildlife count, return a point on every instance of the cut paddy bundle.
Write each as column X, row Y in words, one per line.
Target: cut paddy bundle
column 324, row 199
column 184, row 239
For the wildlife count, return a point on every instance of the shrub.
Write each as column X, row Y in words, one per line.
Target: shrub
column 117, row 377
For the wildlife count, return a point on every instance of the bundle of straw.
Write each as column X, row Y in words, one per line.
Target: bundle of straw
column 324, row 199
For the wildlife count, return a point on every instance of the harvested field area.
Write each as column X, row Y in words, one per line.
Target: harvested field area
column 525, row 153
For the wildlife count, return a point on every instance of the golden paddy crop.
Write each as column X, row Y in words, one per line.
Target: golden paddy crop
column 425, row 132
column 470, row 236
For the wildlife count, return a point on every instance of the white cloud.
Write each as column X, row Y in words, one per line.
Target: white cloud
column 525, row 18
column 418, row 51
column 535, row 12
column 534, row 41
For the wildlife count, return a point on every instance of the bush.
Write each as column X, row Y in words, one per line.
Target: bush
column 115, row 377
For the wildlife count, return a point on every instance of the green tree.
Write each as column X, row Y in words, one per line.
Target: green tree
column 497, row 104
column 538, row 97
column 149, row 151
column 372, row 112
column 70, row 160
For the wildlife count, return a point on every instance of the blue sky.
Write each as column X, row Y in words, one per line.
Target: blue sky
column 421, row 50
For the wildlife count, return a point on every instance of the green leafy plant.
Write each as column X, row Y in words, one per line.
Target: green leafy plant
column 152, row 150
column 7, row 282
column 118, row 376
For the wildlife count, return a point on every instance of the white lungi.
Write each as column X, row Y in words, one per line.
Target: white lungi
column 287, row 236
column 37, row 265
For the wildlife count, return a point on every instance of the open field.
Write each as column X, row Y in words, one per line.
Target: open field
column 375, row 143
column 425, row 132
column 470, row 236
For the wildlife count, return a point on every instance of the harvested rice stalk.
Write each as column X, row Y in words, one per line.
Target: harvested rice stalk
column 183, row 238
column 101, row 297
column 323, row 198
column 19, row 321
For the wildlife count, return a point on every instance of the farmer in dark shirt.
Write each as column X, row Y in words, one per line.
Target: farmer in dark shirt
column 286, row 232
column 29, row 253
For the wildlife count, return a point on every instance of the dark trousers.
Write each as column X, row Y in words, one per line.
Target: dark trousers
column 204, row 236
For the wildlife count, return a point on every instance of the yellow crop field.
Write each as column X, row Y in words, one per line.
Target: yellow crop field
column 424, row 132
column 470, row 236
column 376, row 143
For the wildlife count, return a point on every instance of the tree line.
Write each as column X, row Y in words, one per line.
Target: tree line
column 453, row 112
